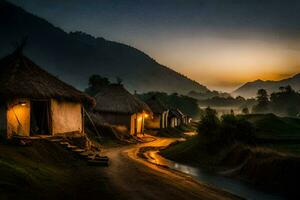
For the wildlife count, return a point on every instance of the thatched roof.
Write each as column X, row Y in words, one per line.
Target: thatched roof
column 22, row 78
column 114, row 98
column 156, row 105
column 176, row 112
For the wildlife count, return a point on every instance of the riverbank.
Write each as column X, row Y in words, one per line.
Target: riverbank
column 268, row 169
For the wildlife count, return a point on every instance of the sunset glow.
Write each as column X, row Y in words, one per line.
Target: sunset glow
column 224, row 64
column 219, row 44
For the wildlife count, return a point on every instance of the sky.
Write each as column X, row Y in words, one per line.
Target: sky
column 219, row 43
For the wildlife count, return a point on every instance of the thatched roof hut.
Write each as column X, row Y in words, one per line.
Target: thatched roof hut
column 34, row 102
column 118, row 107
column 176, row 112
column 160, row 113
column 22, row 78
column 114, row 98
column 156, row 105
column 175, row 117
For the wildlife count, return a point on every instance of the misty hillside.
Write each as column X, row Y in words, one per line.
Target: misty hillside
column 250, row 89
column 73, row 57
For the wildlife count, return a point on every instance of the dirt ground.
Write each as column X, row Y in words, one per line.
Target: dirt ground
column 135, row 178
column 47, row 171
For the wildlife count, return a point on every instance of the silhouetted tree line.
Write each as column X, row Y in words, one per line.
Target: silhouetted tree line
column 284, row 102
column 239, row 101
column 186, row 104
column 225, row 130
column 96, row 82
column 207, row 94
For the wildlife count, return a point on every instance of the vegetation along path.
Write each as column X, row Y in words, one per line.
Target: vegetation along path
column 135, row 178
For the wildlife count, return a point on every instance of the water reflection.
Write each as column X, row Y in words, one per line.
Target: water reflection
column 231, row 185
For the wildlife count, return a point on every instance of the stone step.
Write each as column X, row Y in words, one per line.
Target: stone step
column 56, row 140
column 64, row 143
column 87, row 153
column 78, row 150
column 72, row 147
column 93, row 157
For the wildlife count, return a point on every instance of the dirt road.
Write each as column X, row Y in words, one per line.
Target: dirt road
column 134, row 178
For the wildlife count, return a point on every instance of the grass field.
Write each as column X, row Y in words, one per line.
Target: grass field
column 270, row 126
column 46, row 171
column 281, row 134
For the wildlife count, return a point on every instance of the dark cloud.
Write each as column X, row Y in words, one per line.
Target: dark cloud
column 279, row 16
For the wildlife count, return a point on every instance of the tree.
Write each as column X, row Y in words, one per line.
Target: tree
column 285, row 102
column 119, row 80
column 235, row 128
column 245, row 111
column 263, row 101
column 209, row 124
column 216, row 133
column 95, row 83
column 240, row 98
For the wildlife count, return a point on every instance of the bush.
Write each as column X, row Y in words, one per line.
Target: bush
column 228, row 130
column 209, row 125
column 234, row 128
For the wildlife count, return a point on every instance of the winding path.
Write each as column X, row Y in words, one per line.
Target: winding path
column 134, row 178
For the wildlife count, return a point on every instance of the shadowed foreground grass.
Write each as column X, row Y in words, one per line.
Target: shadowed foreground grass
column 47, row 171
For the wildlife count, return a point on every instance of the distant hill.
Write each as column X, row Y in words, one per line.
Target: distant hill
column 250, row 89
column 207, row 95
column 73, row 57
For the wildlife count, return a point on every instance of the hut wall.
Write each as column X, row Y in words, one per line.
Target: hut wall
column 164, row 120
column 140, row 121
column 155, row 122
column 66, row 117
column 116, row 119
column 18, row 118
column 133, row 120
column 137, row 121
column 166, row 117
column 173, row 122
column 3, row 121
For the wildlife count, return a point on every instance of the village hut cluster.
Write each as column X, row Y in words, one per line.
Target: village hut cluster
column 164, row 117
column 34, row 102
column 118, row 107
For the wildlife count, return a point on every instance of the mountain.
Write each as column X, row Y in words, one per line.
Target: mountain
column 74, row 56
column 250, row 89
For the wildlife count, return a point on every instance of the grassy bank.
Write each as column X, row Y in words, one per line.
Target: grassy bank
column 261, row 166
column 271, row 127
column 271, row 160
column 47, row 171
column 281, row 134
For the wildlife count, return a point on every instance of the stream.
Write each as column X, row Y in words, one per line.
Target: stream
column 233, row 186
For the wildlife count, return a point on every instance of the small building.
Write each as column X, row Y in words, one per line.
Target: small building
column 34, row 102
column 175, row 118
column 160, row 114
column 118, row 107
